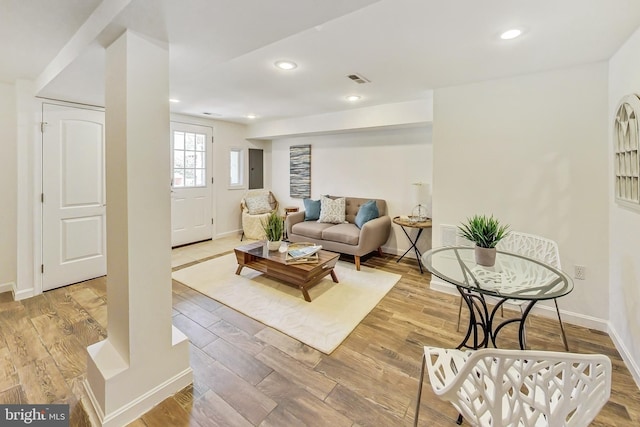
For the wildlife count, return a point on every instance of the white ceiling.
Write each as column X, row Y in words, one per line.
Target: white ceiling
column 222, row 51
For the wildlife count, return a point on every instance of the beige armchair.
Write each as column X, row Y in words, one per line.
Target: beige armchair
column 256, row 205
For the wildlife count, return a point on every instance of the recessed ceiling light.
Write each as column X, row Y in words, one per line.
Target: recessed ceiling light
column 251, row 116
column 511, row 34
column 353, row 98
column 174, row 100
column 286, row 65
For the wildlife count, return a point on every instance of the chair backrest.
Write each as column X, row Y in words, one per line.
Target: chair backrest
column 520, row 387
column 540, row 248
column 259, row 192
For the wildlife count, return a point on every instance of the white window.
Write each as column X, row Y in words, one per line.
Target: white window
column 236, row 168
column 189, row 159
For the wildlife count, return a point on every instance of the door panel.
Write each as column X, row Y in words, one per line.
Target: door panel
column 192, row 190
column 82, row 238
column 74, row 210
column 256, row 173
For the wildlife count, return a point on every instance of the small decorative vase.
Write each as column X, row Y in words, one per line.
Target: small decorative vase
column 485, row 256
column 273, row 245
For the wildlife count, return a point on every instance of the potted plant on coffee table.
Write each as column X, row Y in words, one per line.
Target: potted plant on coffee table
column 273, row 227
column 485, row 232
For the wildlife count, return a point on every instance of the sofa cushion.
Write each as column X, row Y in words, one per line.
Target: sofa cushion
column 258, row 204
column 367, row 212
column 342, row 233
column 311, row 209
column 311, row 229
column 332, row 210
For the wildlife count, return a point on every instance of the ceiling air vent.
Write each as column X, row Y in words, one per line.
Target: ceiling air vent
column 358, row 78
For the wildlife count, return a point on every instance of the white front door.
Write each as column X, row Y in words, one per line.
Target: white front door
column 191, row 184
column 73, row 201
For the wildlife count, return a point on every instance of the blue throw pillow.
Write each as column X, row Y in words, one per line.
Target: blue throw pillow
column 311, row 209
column 367, row 212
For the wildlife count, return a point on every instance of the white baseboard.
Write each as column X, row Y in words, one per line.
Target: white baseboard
column 541, row 310
column 632, row 364
column 133, row 410
column 394, row 250
column 22, row 293
column 7, row 287
column 237, row 233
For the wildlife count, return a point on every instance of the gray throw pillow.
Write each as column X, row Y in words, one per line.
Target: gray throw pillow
column 311, row 209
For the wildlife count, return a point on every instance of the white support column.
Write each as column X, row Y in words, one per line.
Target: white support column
column 144, row 359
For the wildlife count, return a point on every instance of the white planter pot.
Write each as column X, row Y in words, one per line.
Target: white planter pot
column 273, row 246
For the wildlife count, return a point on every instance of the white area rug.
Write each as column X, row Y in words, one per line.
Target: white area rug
column 334, row 311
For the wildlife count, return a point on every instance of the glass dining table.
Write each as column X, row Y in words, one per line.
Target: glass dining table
column 513, row 277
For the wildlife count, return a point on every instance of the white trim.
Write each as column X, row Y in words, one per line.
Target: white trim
column 242, row 172
column 27, row 183
column 237, row 233
column 541, row 310
column 625, row 354
column 7, row 287
column 23, row 293
column 133, row 410
column 390, row 250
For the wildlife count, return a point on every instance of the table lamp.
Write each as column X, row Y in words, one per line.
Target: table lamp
column 419, row 194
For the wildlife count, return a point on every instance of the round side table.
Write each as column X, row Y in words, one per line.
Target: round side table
column 420, row 225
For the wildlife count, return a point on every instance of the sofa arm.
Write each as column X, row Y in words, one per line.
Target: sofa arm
column 375, row 233
column 292, row 219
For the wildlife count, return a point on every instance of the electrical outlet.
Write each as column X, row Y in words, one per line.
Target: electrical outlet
column 580, row 272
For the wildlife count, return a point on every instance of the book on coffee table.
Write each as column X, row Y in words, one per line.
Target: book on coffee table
column 302, row 250
column 312, row 259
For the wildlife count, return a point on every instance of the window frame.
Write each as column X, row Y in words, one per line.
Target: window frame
column 184, row 167
column 240, row 174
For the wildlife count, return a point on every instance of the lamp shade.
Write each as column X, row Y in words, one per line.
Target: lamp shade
column 419, row 192
column 420, row 199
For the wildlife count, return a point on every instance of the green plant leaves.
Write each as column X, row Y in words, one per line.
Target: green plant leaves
column 273, row 227
column 484, row 231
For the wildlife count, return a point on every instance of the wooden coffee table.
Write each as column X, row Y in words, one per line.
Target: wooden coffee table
column 272, row 263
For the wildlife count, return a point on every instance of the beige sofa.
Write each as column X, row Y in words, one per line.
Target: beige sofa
column 344, row 238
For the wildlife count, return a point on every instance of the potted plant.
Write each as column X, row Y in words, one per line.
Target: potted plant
column 485, row 232
column 273, row 228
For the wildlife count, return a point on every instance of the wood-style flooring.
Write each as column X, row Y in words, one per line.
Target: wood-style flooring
column 247, row 374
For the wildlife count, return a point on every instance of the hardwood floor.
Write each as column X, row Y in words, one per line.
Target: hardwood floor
column 247, row 374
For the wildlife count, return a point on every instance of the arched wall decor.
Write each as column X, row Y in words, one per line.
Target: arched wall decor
column 626, row 134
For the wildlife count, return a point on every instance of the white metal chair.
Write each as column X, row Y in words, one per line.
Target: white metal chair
column 537, row 247
column 492, row 387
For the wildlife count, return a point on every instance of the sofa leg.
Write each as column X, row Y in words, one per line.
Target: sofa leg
column 380, row 252
column 357, row 258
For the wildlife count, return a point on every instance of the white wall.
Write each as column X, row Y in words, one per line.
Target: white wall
column 227, row 201
column 624, row 274
column 8, row 189
column 379, row 164
column 532, row 150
